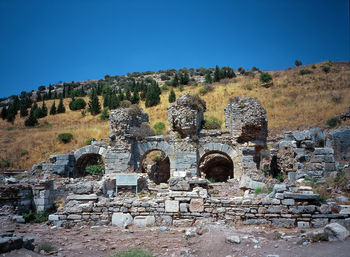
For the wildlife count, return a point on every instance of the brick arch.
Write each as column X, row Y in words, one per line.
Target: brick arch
column 217, row 148
column 90, row 149
column 87, row 155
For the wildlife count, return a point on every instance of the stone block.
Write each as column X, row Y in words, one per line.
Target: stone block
column 121, row 219
column 196, row 205
column 323, row 151
column 183, row 207
column 74, row 217
column 53, row 217
column 303, row 224
column 299, row 196
column 91, row 197
column 171, row 206
column 318, row 223
column 288, row 202
column 336, row 232
column 279, row 188
column 283, row 222
column 183, row 222
column 144, row 221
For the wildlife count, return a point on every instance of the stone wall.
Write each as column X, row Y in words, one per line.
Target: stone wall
column 246, row 119
column 184, row 208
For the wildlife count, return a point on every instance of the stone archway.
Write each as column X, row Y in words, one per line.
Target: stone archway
column 216, row 166
column 217, row 161
column 157, row 165
column 88, row 155
column 87, row 160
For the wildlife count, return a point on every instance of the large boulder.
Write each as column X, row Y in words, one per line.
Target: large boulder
column 336, row 232
column 246, row 119
column 123, row 120
column 186, row 114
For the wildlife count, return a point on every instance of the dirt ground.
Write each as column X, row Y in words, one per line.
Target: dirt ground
column 210, row 241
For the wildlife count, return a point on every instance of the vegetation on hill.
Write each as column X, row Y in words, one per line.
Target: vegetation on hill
column 296, row 100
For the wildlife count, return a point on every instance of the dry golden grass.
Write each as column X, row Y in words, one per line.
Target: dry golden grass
column 293, row 102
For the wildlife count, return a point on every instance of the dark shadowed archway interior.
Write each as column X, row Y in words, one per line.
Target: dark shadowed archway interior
column 216, row 166
column 87, row 160
column 157, row 165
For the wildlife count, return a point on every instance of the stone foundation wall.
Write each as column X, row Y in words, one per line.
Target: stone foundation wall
column 181, row 210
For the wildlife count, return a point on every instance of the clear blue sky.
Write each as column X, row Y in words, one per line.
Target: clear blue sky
column 46, row 41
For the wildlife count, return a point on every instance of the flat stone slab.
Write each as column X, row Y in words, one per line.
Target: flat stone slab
column 300, row 196
column 171, row 206
column 91, row 197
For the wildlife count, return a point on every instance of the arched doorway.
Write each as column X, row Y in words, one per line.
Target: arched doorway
column 87, row 160
column 216, row 166
column 157, row 165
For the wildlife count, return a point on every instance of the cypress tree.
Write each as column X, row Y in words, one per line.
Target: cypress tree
column 114, row 102
column 31, row 121
column 152, row 96
column 38, row 99
column 23, row 110
column 175, row 81
column 172, row 96
column 53, row 109
column 61, row 108
column 136, row 97
column 217, row 74
column 4, row 113
column 43, row 110
column 208, row 78
column 11, row 113
column 128, row 95
column 94, row 104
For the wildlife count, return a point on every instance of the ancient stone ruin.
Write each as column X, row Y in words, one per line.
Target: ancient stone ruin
column 175, row 178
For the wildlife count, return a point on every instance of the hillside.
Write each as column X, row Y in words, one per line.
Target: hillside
column 294, row 101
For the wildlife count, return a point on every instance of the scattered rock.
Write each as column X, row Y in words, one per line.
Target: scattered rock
column 233, row 239
column 336, row 232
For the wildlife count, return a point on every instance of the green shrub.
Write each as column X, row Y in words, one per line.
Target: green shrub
column 325, row 68
column 211, row 180
column 35, row 217
column 211, row 123
column 65, row 137
column 94, row 170
column 304, row 72
column 104, row 115
column 24, row 152
column 248, row 86
column 5, row 163
column 280, row 177
column 88, row 141
column 265, row 77
column 159, row 127
column 333, row 122
column 46, row 247
column 202, row 91
column 77, row 104
column 133, row 253
column 165, row 87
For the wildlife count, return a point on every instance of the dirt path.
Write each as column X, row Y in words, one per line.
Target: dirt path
column 104, row 241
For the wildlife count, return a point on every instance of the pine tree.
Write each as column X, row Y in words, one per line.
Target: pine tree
column 114, row 102
column 217, row 74
column 4, row 113
column 53, row 109
column 152, row 96
column 172, row 96
column 175, row 81
column 135, row 98
column 94, row 104
column 128, row 95
column 38, row 99
column 23, row 110
column 31, row 121
column 60, row 107
column 11, row 113
column 208, row 78
column 43, row 110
